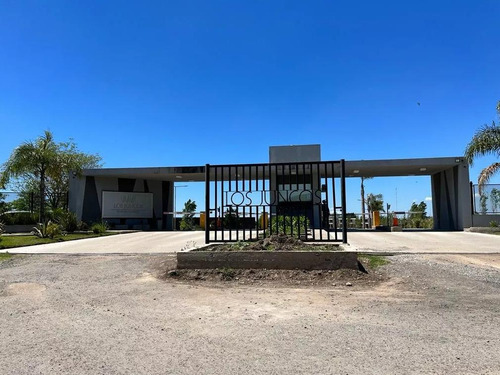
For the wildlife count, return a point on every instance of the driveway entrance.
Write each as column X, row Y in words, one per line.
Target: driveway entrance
column 129, row 243
column 425, row 242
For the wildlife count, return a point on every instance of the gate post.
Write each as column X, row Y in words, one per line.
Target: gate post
column 207, row 203
column 342, row 188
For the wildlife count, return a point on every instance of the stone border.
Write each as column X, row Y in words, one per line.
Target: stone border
column 483, row 229
column 284, row 260
column 19, row 228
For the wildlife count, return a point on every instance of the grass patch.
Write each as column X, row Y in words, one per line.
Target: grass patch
column 227, row 273
column 374, row 261
column 5, row 256
column 8, row 242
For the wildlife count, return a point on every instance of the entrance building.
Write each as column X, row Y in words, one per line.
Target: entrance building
column 289, row 191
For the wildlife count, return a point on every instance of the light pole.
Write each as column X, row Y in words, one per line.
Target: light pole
column 175, row 212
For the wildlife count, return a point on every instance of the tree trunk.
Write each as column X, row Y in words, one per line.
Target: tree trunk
column 42, row 196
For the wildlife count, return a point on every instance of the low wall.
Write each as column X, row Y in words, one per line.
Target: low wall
column 285, row 260
column 19, row 228
column 484, row 220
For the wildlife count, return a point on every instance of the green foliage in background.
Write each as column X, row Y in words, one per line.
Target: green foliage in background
column 187, row 221
column 283, row 224
column 43, row 166
column 486, row 141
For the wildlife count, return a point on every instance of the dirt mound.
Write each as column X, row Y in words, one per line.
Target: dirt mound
column 278, row 278
column 276, row 242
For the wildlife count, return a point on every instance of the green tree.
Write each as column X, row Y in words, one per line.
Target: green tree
column 4, row 206
column 187, row 221
column 45, row 164
column 418, row 211
column 363, row 201
column 485, row 141
column 418, row 215
column 495, row 199
column 374, row 202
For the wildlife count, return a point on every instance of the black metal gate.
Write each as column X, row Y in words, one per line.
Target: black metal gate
column 246, row 202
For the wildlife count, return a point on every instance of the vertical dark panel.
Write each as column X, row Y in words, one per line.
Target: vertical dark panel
column 151, row 222
column 166, row 187
column 91, row 211
column 126, row 184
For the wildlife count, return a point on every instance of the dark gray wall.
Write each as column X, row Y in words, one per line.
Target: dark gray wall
column 291, row 154
column 86, row 194
column 451, row 198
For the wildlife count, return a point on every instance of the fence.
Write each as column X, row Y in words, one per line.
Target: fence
column 486, row 201
column 403, row 219
column 252, row 201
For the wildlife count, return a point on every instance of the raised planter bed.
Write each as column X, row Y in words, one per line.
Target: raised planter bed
column 285, row 260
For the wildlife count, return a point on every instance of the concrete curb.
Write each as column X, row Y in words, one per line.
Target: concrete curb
column 288, row 260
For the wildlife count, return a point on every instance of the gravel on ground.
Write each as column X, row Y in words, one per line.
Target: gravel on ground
column 114, row 314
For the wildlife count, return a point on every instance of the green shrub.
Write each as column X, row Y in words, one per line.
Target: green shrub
column 493, row 224
column 187, row 221
column 19, row 218
column 231, row 219
column 289, row 224
column 66, row 219
column 227, row 273
column 2, row 228
column 83, row 226
column 99, row 228
column 47, row 230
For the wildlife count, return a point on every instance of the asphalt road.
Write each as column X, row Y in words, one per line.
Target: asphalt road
column 62, row 314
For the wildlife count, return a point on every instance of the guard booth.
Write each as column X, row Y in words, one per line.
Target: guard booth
column 253, row 201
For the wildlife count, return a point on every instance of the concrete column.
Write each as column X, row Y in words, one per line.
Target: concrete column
column 451, row 198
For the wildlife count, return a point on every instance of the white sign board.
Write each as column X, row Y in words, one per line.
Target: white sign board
column 124, row 205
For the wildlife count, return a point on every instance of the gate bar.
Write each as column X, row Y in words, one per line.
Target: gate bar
column 342, row 192
column 207, row 203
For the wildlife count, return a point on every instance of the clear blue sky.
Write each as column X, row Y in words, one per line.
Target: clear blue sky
column 156, row 83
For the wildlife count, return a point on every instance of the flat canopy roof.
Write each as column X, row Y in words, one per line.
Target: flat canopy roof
column 355, row 168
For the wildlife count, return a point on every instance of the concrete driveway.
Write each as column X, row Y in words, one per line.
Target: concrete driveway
column 129, row 243
column 425, row 242
column 169, row 242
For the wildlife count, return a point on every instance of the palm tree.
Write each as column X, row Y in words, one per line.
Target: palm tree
column 374, row 202
column 486, row 141
column 32, row 159
column 363, row 203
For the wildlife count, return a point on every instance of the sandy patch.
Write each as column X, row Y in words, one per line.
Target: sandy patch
column 25, row 289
